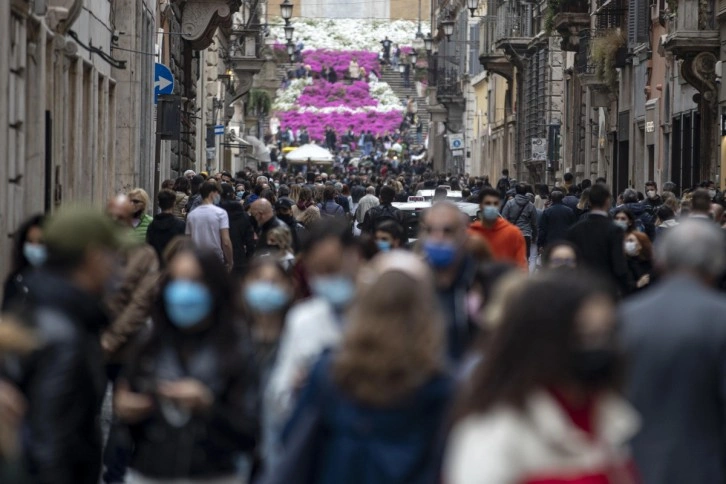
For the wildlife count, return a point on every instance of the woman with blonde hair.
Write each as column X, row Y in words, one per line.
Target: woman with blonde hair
column 295, row 193
column 379, row 400
column 140, row 199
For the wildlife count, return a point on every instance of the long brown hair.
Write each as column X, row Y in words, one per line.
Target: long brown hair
column 394, row 340
column 532, row 347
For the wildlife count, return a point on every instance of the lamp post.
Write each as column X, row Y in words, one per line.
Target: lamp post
column 413, row 57
column 472, row 5
column 286, row 10
column 448, row 26
column 289, row 29
column 429, row 43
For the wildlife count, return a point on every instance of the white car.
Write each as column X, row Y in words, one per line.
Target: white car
column 413, row 209
column 452, row 196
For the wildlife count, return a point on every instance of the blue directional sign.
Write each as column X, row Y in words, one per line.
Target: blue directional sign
column 219, row 129
column 163, row 81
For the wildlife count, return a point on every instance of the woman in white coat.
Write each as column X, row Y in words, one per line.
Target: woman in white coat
column 542, row 407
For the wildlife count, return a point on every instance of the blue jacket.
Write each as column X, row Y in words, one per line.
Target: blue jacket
column 371, row 445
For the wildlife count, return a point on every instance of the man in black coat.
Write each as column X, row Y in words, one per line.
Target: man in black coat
column 600, row 241
column 241, row 231
column 64, row 381
column 555, row 221
column 165, row 225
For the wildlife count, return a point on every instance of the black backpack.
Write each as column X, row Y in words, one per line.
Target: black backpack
column 381, row 213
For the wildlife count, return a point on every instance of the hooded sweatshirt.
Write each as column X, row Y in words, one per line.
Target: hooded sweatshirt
column 506, row 241
column 521, row 212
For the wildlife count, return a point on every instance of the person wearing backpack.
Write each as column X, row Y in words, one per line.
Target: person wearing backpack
column 385, row 211
column 503, row 185
column 329, row 208
column 520, row 211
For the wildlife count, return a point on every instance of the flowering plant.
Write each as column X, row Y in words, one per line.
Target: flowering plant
column 377, row 122
column 350, row 34
column 340, row 60
column 324, row 94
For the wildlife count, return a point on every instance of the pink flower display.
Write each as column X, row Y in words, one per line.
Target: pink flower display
column 340, row 60
column 377, row 122
column 323, row 94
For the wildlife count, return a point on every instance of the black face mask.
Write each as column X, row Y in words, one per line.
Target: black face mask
column 594, row 367
column 288, row 219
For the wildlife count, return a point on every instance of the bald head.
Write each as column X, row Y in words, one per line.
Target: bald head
column 120, row 209
column 444, row 219
column 261, row 211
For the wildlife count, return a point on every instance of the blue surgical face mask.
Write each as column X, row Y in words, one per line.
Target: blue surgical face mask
column 265, row 297
column 490, row 213
column 440, row 254
column 35, row 253
column 383, row 245
column 216, row 199
column 187, row 303
column 338, row 290
column 240, row 194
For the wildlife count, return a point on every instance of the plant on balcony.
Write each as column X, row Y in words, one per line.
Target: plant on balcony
column 555, row 7
column 259, row 102
column 604, row 53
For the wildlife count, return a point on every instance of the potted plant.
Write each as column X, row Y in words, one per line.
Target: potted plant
column 606, row 50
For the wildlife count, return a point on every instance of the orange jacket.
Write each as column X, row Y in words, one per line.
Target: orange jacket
column 506, row 241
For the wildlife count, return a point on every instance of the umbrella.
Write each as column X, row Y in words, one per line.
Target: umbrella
column 311, row 152
column 397, row 148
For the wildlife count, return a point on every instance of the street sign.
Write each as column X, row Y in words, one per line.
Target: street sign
column 539, row 149
column 163, row 81
column 219, row 129
column 456, row 141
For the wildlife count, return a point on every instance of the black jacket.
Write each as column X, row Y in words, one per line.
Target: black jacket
column 262, row 245
column 379, row 214
column 64, row 382
column 208, row 444
column 241, row 233
column 600, row 242
column 162, row 229
column 554, row 224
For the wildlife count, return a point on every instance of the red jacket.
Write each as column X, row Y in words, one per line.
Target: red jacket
column 505, row 239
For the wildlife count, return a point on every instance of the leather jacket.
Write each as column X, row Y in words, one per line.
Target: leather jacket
column 64, row 382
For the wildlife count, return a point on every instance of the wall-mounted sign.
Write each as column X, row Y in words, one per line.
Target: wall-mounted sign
column 650, row 127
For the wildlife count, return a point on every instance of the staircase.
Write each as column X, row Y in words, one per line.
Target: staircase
column 394, row 79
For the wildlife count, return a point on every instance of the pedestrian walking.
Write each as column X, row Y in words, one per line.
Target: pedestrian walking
column 63, row 380
column 505, row 240
column 674, row 339
column 141, row 219
column 546, row 392
column 166, row 225
column 208, row 225
column 194, row 381
column 28, row 254
column 401, row 394
column 241, row 231
column 555, row 221
column 182, row 190
column 520, row 212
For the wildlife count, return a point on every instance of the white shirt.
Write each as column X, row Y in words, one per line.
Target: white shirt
column 204, row 225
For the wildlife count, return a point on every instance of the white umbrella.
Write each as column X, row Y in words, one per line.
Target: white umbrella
column 314, row 153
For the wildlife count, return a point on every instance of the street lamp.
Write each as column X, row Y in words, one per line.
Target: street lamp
column 413, row 57
column 429, row 42
column 286, row 10
column 472, row 5
column 289, row 29
column 290, row 48
column 448, row 26
column 401, row 68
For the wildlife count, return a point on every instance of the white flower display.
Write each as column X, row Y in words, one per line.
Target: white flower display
column 382, row 92
column 286, row 99
column 349, row 34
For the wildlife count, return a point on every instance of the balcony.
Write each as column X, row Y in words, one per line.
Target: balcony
column 513, row 32
column 571, row 17
column 600, row 53
column 245, row 57
column 448, row 86
column 490, row 57
column 695, row 33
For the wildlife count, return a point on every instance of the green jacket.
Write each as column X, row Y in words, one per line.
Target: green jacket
column 140, row 230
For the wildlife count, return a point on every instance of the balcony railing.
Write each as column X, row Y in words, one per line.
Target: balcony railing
column 448, row 83
column 583, row 58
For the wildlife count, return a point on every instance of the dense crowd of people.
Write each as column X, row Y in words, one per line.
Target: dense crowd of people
column 290, row 328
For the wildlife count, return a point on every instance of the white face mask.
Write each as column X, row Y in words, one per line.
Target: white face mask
column 623, row 224
column 712, row 193
column 651, row 194
column 631, row 248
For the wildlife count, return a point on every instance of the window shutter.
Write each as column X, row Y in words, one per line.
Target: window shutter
column 632, row 22
column 643, row 20
column 474, row 66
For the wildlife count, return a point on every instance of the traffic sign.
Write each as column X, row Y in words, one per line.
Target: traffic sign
column 219, row 129
column 456, row 141
column 163, row 81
